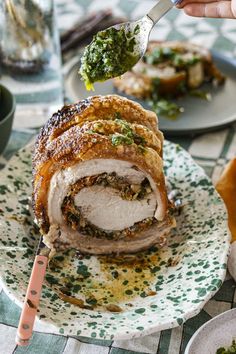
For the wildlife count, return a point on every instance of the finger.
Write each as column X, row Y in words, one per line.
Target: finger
column 219, row 9
column 233, row 7
column 186, row 2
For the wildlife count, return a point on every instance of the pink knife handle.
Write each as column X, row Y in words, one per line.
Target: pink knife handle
column 29, row 310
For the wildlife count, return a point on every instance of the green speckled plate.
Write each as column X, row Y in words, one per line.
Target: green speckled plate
column 157, row 290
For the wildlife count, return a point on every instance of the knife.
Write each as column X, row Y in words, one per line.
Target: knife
column 33, row 293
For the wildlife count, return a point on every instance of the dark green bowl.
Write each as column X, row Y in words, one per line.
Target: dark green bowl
column 7, row 110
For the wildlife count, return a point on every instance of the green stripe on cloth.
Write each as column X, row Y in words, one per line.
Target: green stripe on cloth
column 41, row 97
column 224, row 44
column 105, row 343
column 16, row 142
column 164, row 341
column 175, row 36
column 44, row 344
column 47, row 75
column 84, row 3
column 228, row 141
column 226, row 292
column 210, row 159
column 9, row 312
column 183, row 142
column 127, row 6
column 191, row 326
column 208, row 169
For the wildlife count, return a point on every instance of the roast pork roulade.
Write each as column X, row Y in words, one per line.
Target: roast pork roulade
column 98, row 180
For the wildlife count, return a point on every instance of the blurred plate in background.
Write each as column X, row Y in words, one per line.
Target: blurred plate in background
column 199, row 115
column 216, row 333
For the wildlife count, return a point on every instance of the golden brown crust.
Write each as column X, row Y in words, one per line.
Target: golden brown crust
column 66, row 140
column 141, row 86
column 108, row 127
column 95, row 108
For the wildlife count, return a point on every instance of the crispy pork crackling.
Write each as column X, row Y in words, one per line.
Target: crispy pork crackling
column 98, row 181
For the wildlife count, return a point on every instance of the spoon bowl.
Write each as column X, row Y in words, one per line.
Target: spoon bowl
column 145, row 25
column 118, row 48
column 141, row 36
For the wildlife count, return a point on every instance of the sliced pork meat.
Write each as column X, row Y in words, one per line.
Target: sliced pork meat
column 98, row 178
column 169, row 69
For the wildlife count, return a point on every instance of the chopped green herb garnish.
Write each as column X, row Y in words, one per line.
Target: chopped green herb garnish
column 201, row 94
column 90, row 131
column 166, row 108
column 195, row 59
column 127, row 135
column 142, row 149
column 230, row 350
column 159, row 55
column 118, row 115
column 182, row 88
column 119, row 139
column 110, row 54
column 136, row 29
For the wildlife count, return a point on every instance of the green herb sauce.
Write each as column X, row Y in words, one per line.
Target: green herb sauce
column 166, row 108
column 230, row 350
column 128, row 136
column 163, row 107
column 110, row 54
column 201, row 94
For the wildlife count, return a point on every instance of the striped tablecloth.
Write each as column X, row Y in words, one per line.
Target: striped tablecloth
column 211, row 151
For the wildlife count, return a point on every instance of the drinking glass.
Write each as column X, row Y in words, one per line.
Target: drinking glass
column 27, row 35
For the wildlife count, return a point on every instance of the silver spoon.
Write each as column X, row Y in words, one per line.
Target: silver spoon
column 145, row 24
column 138, row 31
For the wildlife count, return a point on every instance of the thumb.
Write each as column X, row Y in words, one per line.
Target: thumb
column 216, row 9
column 233, row 7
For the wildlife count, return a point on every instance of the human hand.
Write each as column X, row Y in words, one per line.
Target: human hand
column 209, row 8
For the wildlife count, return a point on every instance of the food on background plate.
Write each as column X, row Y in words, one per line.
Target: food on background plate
column 110, row 54
column 229, row 350
column 169, row 70
column 99, row 185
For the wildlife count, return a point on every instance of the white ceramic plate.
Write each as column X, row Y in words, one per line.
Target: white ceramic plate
column 163, row 290
column 216, row 333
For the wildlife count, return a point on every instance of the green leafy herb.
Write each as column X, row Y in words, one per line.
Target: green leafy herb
column 127, row 135
column 159, row 55
column 201, row 94
column 110, row 54
column 90, row 131
column 166, row 108
column 120, row 139
column 230, row 350
column 118, row 115
column 182, row 88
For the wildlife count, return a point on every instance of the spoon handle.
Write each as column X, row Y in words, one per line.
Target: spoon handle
column 161, row 8
column 29, row 310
